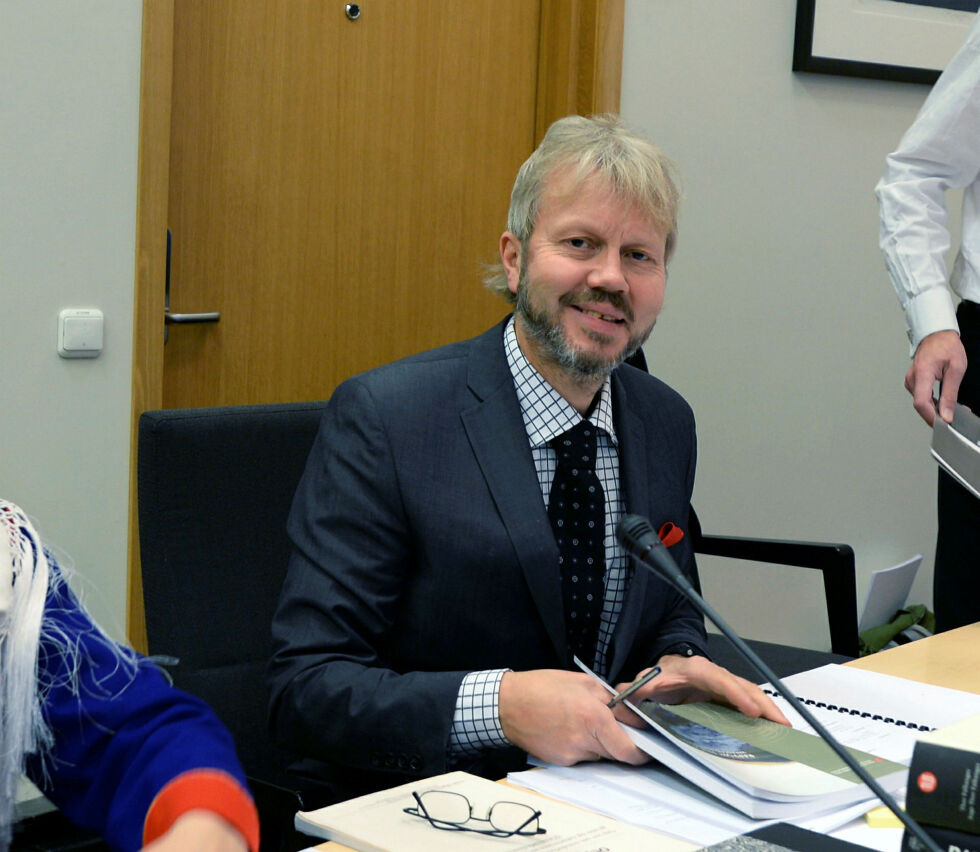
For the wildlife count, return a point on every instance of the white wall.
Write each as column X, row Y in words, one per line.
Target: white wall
column 781, row 327
column 69, row 117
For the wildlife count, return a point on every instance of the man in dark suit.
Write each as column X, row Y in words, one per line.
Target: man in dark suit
column 430, row 613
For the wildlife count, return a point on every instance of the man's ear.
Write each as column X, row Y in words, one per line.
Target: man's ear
column 510, row 258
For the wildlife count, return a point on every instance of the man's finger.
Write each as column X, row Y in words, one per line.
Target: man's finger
column 949, row 390
column 615, row 744
column 920, row 386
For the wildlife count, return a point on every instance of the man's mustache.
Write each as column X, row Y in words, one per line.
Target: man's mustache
column 588, row 296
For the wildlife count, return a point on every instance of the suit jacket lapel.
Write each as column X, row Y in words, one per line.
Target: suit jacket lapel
column 496, row 432
column 633, row 465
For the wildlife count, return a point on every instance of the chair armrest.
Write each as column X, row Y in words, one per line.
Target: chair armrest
column 835, row 561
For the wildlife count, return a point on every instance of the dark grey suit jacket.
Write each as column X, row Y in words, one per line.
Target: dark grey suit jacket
column 423, row 551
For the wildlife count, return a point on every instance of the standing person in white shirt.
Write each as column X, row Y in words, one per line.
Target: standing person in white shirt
column 940, row 151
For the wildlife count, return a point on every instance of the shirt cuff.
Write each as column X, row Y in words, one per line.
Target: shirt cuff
column 476, row 720
column 929, row 312
column 203, row 789
column 683, row 649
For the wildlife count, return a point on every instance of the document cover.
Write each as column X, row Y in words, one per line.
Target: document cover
column 956, row 446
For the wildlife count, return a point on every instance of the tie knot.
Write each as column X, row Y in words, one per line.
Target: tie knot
column 577, row 446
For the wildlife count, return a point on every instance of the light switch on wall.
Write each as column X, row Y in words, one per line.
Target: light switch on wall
column 80, row 333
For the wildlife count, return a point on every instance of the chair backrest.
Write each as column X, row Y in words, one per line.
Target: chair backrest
column 214, row 487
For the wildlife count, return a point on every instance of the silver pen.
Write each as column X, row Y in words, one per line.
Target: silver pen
column 635, row 685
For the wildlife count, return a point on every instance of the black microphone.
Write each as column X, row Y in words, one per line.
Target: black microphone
column 641, row 542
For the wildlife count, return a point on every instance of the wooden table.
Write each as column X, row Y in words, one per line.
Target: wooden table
column 947, row 659
column 950, row 659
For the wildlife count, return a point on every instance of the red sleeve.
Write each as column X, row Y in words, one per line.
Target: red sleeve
column 206, row 789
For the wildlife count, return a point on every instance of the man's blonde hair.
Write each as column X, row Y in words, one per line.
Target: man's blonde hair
column 604, row 147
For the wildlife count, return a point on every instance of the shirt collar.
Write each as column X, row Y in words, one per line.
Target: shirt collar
column 546, row 412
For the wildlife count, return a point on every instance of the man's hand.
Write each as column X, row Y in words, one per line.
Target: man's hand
column 199, row 831
column 684, row 680
column 562, row 717
column 939, row 357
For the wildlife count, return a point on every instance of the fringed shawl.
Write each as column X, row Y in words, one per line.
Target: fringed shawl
column 23, row 588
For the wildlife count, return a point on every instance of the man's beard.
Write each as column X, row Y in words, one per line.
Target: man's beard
column 547, row 331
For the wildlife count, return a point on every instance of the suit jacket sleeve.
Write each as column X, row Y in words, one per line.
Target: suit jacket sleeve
column 337, row 691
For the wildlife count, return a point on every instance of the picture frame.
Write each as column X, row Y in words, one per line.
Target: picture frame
column 900, row 40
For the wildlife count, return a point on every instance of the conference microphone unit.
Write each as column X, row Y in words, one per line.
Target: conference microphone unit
column 641, row 542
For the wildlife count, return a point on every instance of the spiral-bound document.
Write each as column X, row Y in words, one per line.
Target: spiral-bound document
column 880, row 713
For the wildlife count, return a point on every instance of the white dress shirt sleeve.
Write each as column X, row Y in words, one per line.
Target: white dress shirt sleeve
column 941, row 150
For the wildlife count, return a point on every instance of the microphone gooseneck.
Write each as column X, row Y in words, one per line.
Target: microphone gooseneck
column 640, row 541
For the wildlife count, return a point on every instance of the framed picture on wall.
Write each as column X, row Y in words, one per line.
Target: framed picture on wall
column 906, row 40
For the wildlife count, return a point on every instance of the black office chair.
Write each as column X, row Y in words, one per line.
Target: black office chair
column 54, row 832
column 214, row 489
column 834, row 561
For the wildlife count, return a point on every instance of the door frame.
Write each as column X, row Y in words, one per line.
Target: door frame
column 580, row 60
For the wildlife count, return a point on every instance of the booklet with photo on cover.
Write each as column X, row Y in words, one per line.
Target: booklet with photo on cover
column 765, row 770
column 771, row 762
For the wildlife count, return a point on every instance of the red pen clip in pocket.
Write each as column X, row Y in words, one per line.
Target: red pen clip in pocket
column 669, row 534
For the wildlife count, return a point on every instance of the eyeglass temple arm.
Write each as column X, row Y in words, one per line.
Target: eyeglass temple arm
column 528, row 821
column 418, row 799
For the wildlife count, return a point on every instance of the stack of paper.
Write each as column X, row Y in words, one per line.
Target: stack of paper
column 888, row 592
column 879, row 713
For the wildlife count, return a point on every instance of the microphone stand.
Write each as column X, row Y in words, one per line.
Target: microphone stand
column 637, row 537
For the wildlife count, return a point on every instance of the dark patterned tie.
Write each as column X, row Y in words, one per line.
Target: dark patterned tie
column 576, row 508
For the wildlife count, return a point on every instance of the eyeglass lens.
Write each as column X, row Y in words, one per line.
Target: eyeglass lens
column 446, row 807
column 512, row 816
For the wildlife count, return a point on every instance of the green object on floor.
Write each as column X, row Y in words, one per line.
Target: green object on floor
column 895, row 631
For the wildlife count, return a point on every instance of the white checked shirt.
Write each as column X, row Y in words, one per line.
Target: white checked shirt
column 476, row 723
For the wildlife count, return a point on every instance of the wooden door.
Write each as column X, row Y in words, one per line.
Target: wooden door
column 334, row 186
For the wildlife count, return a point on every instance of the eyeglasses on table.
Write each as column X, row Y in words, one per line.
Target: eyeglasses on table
column 452, row 811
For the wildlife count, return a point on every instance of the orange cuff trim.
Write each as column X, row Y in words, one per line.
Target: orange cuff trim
column 204, row 789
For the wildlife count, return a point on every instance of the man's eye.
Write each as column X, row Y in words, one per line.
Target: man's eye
column 578, row 242
column 638, row 255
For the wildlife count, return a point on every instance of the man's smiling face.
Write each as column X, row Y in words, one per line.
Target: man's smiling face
column 590, row 283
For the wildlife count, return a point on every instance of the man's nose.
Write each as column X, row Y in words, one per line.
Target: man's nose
column 608, row 273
